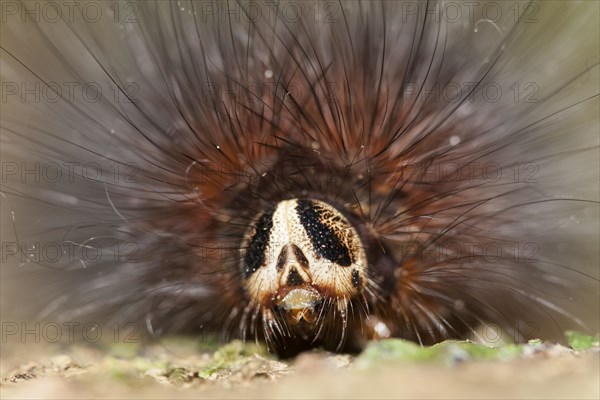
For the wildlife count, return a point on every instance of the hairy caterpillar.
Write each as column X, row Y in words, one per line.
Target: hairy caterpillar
column 305, row 173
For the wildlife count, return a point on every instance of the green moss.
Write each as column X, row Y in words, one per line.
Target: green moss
column 144, row 364
column 124, row 350
column 482, row 352
column 130, row 370
column 178, row 376
column 192, row 343
column 448, row 352
column 581, row 341
column 120, row 370
column 231, row 355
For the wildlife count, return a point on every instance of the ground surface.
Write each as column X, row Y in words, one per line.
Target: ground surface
column 184, row 368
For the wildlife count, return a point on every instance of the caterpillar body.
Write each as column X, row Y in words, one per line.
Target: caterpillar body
column 304, row 173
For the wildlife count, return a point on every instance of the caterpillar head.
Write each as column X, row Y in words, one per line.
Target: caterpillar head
column 301, row 259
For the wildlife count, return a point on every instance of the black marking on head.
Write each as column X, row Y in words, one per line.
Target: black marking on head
column 255, row 253
column 294, row 278
column 282, row 258
column 355, row 278
column 323, row 238
column 300, row 257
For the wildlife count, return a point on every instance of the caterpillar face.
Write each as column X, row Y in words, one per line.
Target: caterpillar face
column 299, row 253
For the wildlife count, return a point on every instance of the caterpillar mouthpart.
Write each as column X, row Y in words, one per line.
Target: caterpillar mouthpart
column 301, row 304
